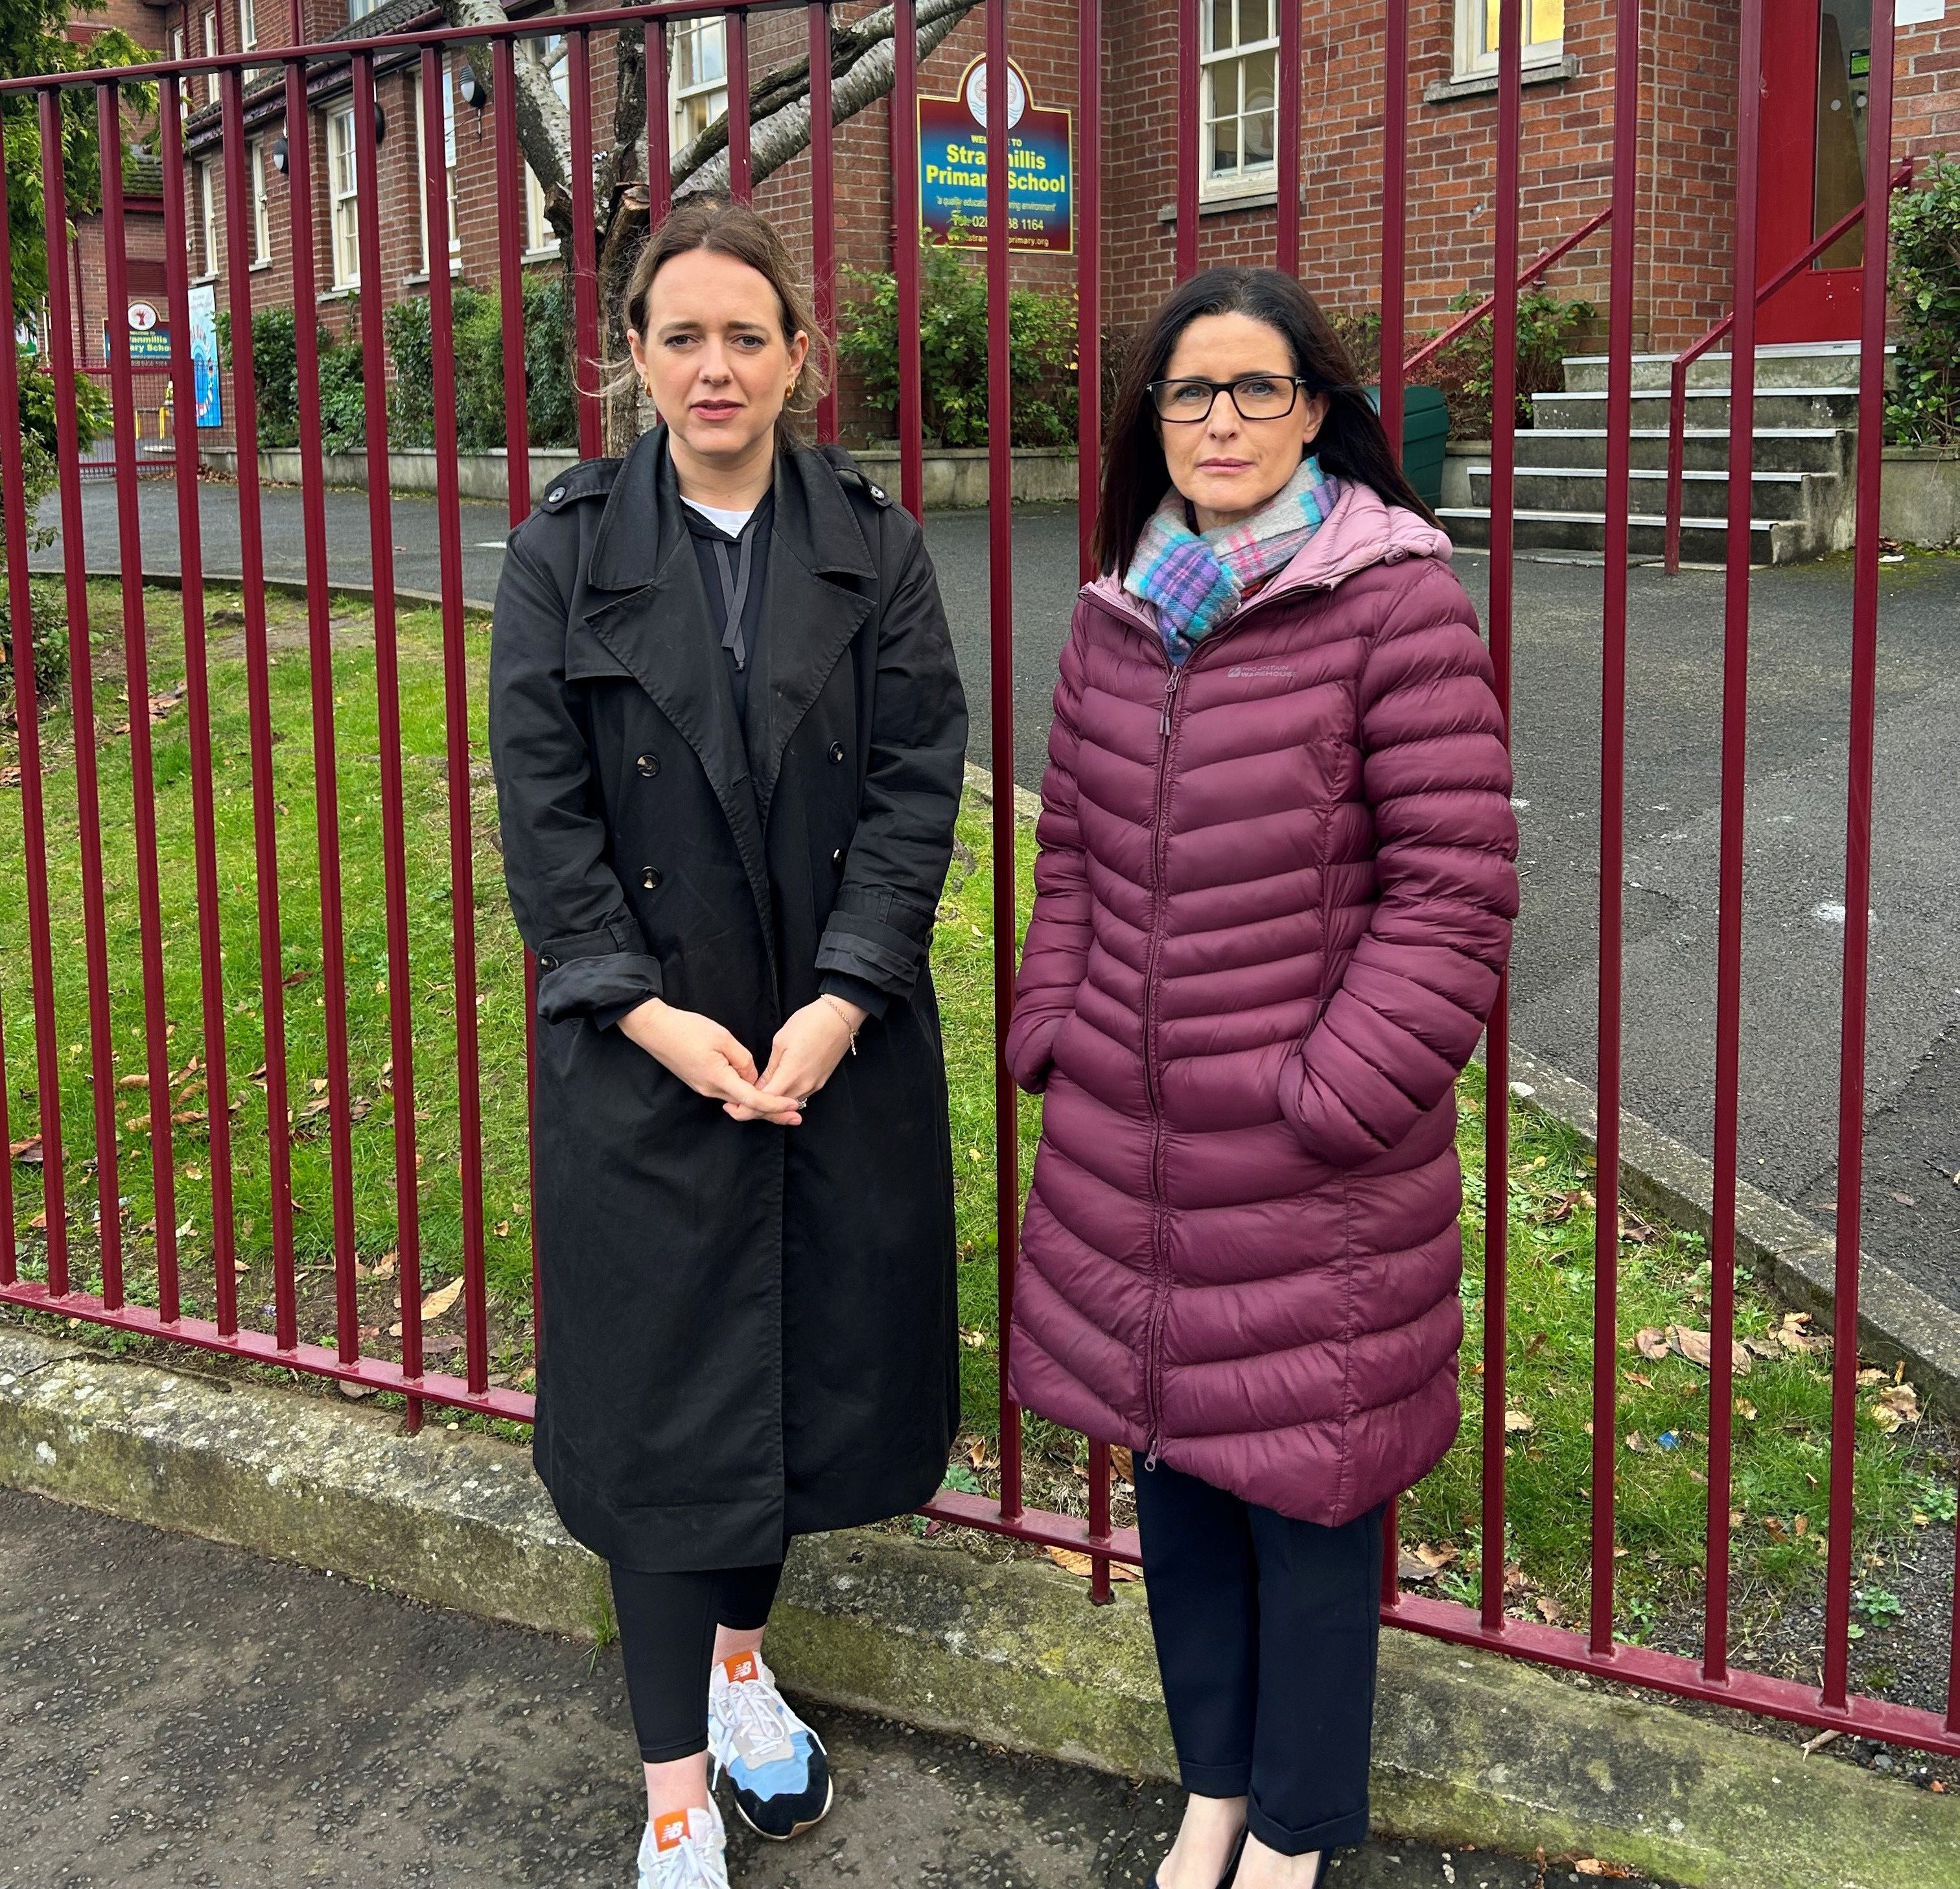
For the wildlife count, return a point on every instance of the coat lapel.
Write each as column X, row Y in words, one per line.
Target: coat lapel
column 809, row 620
column 648, row 608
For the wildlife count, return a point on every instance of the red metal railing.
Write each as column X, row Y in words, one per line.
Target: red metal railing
column 349, row 1357
column 1677, row 396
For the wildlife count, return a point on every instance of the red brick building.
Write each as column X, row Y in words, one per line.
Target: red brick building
column 1816, row 64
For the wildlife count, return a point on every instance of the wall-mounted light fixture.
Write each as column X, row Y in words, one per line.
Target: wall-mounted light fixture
column 279, row 154
column 475, row 91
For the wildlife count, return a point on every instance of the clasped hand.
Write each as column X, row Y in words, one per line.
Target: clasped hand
column 713, row 1062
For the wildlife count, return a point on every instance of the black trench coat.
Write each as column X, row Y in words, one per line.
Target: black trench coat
column 749, row 1331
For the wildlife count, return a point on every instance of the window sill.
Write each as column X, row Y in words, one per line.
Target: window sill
column 341, row 291
column 544, row 253
column 210, row 275
column 1485, row 85
column 1221, row 206
column 264, row 262
column 420, row 279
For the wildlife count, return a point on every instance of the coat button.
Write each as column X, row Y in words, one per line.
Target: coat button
column 547, row 963
column 837, row 858
column 650, row 879
column 555, row 494
column 649, row 765
column 836, row 751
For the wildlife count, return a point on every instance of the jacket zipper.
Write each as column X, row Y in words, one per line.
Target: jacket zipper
column 1159, row 1214
column 1159, row 1257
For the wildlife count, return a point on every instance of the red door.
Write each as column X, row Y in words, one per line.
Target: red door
column 1816, row 60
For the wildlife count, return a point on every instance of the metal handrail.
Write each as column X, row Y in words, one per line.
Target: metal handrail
column 1677, row 399
column 1557, row 253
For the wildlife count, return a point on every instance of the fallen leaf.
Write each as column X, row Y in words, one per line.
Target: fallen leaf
column 1775, row 1529
column 1693, row 1345
column 1635, row 1441
column 441, row 1346
column 1123, row 1462
column 1745, row 1409
column 1870, row 1376
column 28, row 1152
column 1758, row 1346
column 502, row 1229
column 1519, row 1420
column 1595, row 1866
column 353, row 1392
column 1800, row 1526
column 441, row 1300
column 1652, row 1342
column 1548, row 1609
column 1898, row 1404
column 1079, row 1564
column 1791, row 1335
column 134, row 1082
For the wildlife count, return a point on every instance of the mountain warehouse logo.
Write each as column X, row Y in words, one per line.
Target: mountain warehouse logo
column 1252, row 670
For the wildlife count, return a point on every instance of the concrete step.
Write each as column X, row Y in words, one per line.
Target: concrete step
column 1707, row 409
column 1811, row 449
column 1809, row 364
column 1703, row 495
column 1703, row 540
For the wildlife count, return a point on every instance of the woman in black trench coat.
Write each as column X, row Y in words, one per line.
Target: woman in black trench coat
column 729, row 737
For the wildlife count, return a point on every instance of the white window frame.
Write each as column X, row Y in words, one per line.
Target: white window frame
column 1474, row 22
column 449, row 170
column 691, row 108
column 343, row 205
column 552, row 55
column 1216, row 65
column 180, row 43
column 207, row 222
column 248, row 34
column 210, row 52
column 262, row 220
column 355, row 8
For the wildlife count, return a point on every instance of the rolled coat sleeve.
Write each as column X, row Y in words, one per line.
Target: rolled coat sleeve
column 570, row 907
column 880, row 929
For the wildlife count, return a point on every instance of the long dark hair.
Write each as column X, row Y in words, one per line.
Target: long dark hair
column 1351, row 442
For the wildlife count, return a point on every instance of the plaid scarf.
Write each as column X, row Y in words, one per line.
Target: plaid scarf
column 1195, row 581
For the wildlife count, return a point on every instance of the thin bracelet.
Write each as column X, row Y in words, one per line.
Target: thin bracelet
column 836, row 1003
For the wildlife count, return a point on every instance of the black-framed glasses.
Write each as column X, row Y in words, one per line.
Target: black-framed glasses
column 1258, row 396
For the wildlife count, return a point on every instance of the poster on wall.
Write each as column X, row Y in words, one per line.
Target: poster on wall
column 953, row 168
column 149, row 339
column 1919, row 12
column 204, row 354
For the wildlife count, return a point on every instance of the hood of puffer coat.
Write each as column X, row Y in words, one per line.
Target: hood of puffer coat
column 1273, row 899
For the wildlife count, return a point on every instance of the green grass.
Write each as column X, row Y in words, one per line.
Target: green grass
column 1781, row 1454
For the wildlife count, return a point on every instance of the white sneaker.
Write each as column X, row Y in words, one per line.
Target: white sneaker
column 778, row 1766
column 685, row 1849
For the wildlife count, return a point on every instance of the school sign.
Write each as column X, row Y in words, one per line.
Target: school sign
column 953, row 168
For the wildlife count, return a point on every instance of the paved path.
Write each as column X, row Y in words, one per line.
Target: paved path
column 1794, row 828
column 184, row 1716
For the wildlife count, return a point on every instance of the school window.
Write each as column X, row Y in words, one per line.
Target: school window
column 1542, row 22
column 449, row 167
column 261, row 221
column 340, row 184
column 1239, row 53
column 248, row 34
column 211, row 47
column 207, row 220
column 549, row 55
column 355, row 8
column 697, row 78
column 177, row 47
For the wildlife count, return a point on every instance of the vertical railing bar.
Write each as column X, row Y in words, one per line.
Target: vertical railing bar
column 1612, row 813
column 258, row 666
column 387, row 673
column 1000, row 611
column 740, row 183
column 1190, row 100
column 197, row 708
column 905, row 253
column 81, row 693
column 325, row 756
column 823, row 211
column 136, row 671
column 1497, row 1091
column 455, row 699
column 1100, row 1593
column 34, row 815
column 660, row 127
column 1858, row 865
column 584, row 260
column 1728, row 922
column 1088, row 281
column 1395, row 220
column 1677, row 463
column 1288, row 128
column 510, row 188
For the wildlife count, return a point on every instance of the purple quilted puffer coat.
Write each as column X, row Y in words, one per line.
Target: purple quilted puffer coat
column 1274, row 894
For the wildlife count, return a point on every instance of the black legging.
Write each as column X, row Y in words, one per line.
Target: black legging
column 666, row 1638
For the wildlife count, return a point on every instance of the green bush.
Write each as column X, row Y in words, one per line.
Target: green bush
column 953, row 350
column 48, row 615
column 476, row 323
column 1465, row 370
column 1922, row 404
column 276, row 386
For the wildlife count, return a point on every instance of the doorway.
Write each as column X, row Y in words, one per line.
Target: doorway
column 1816, row 71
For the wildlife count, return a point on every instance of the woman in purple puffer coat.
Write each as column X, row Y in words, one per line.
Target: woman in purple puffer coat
column 1274, row 899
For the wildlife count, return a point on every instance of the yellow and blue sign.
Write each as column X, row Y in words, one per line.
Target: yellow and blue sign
column 953, row 168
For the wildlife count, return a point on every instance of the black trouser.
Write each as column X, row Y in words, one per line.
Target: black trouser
column 1266, row 1630
column 667, row 1637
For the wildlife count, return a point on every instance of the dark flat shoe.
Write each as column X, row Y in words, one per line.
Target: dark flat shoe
column 1231, row 1867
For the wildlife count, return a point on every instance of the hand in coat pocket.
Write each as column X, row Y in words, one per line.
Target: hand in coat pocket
column 709, row 1060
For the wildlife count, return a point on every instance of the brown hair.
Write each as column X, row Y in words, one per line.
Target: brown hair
column 711, row 222
column 1351, row 442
